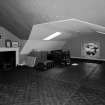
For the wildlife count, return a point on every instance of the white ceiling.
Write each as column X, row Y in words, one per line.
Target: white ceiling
column 69, row 28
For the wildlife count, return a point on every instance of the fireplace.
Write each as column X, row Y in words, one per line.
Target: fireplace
column 8, row 58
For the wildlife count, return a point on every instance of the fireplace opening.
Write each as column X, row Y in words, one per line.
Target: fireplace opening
column 7, row 60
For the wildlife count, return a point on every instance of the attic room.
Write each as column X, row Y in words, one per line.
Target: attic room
column 52, row 52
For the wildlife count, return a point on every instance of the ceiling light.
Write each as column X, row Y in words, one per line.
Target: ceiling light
column 100, row 32
column 75, row 64
column 52, row 36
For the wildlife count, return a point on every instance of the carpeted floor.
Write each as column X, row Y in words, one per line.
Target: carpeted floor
column 58, row 86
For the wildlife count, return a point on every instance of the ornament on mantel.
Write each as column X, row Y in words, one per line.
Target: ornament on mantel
column 8, row 43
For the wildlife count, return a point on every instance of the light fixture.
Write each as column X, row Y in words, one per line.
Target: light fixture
column 75, row 64
column 52, row 36
column 100, row 32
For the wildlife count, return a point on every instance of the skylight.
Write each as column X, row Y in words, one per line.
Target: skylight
column 52, row 36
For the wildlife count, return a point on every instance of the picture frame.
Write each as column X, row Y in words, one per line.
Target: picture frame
column 15, row 44
column 8, row 43
column 90, row 49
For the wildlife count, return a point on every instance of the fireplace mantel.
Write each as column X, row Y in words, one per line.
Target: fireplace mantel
column 3, row 49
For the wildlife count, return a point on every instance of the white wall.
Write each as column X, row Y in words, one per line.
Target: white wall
column 75, row 43
column 41, row 45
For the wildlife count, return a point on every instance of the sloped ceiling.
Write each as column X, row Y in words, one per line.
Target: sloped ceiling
column 18, row 16
column 68, row 28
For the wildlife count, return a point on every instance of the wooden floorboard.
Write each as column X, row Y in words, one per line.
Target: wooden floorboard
column 83, row 84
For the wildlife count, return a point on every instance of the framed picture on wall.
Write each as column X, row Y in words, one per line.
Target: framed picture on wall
column 91, row 49
column 15, row 44
column 8, row 43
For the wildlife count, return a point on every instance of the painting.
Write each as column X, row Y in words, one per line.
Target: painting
column 8, row 43
column 15, row 44
column 90, row 50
